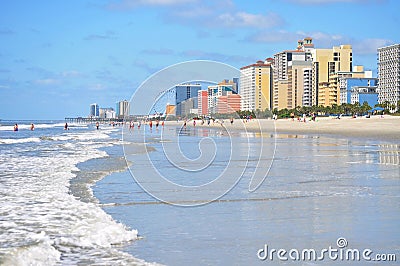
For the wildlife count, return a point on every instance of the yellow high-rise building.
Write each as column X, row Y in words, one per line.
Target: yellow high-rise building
column 326, row 64
column 256, row 86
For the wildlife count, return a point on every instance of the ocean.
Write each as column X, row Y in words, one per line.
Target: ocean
column 69, row 198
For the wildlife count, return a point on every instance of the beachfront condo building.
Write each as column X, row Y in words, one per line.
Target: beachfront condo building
column 94, row 110
column 122, row 109
column 184, row 92
column 107, row 113
column 256, row 86
column 389, row 74
column 215, row 91
column 307, row 89
column 228, row 104
column 290, row 69
column 359, row 90
column 327, row 63
column 202, row 98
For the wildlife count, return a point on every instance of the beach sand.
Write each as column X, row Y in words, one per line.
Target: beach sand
column 376, row 127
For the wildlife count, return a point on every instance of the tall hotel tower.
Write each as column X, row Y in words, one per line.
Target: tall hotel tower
column 256, row 86
column 389, row 74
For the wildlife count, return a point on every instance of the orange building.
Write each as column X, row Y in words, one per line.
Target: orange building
column 170, row 109
column 202, row 100
column 228, row 104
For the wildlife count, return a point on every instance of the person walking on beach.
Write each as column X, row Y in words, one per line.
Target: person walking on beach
column 151, row 124
column 32, row 127
column 194, row 123
column 97, row 125
column 16, row 127
column 231, row 120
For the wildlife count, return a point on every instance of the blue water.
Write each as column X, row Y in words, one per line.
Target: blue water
column 68, row 199
column 318, row 190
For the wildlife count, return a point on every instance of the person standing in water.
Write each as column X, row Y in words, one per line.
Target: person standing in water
column 97, row 125
column 66, row 126
column 16, row 127
column 32, row 127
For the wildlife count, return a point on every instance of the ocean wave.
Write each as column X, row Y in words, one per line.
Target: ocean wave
column 20, row 140
column 44, row 221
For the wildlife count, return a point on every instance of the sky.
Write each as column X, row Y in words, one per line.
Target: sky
column 58, row 57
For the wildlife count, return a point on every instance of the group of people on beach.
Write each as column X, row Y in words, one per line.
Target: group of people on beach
column 303, row 118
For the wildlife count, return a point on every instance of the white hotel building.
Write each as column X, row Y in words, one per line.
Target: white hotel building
column 389, row 74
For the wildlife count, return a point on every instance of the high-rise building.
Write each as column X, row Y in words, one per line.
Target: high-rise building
column 307, row 89
column 107, row 113
column 122, row 109
column 202, row 99
column 228, row 104
column 185, row 92
column 256, row 86
column 360, row 90
column 326, row 64
column 215, row 91
column 389, row 74
column 288, row 80
column 94, row 110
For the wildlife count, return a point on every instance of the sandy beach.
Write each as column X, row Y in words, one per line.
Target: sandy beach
column 375, row 127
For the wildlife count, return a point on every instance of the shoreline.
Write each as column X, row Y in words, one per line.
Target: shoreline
column 377, row 128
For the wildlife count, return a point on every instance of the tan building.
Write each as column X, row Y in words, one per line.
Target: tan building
column 256, row 86
column 326, row 64
column 289, row 75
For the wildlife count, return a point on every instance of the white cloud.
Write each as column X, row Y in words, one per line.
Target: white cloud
column 97, row 87
column 161, row 51
column 132, row 4
column 198, row 54
column 244, row 19
column 47, row 82
column 71, row 74
column 274, row 37
column 370, row 46
column 109, row 35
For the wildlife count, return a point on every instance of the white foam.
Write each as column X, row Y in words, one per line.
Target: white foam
column 21, row 140
column 36, row 198
column 40, row 252
column 27, row 126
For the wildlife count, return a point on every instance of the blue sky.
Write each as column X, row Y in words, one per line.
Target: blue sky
column 58, row 57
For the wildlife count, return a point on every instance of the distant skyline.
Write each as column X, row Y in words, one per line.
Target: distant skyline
column 58, row 57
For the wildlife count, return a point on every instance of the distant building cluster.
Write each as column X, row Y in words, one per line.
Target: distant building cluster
column 307, row 76
column 303, row 77
column 192, row 98
column 122, row 109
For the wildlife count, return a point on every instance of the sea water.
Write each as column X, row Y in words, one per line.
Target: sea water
column 48, row 215
column 319, row 191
